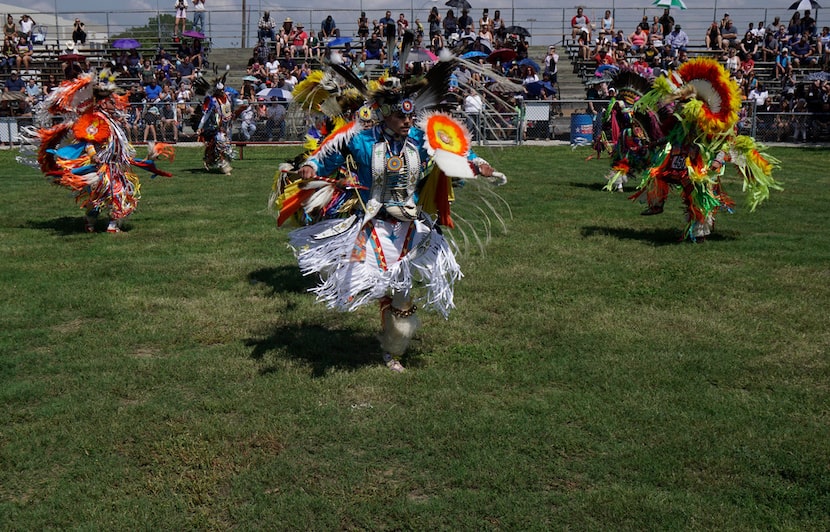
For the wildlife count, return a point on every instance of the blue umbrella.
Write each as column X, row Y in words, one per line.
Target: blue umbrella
column 529, row 62
column 125, row 44
column 338, row 41
column 473, row 54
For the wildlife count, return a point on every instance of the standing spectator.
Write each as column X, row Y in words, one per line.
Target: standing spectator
column 450, row 25
column 266, row 25
column 275, row 121
column 580, row 24
column 465, row 19
column 247, row 126
column 79, row 33
column 473, row 105
column 27, row 24
column 328, row 29
column 434, row 22
column 667, row 21
column 299, row 42
column 808, row 23
column 199, row 15
column 168, row 111
column 644, row 25
column 498, row 27
column 181, row 17
column 485, row 19
column 184, row 95
column 551, row 64
column 10, row 27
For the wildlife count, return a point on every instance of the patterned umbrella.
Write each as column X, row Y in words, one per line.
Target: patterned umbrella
column 669, row 4
column 801, row 5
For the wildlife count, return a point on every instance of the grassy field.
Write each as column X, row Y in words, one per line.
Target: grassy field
column 598, row 374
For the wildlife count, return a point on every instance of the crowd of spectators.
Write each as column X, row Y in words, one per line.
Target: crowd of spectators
column 792, row 48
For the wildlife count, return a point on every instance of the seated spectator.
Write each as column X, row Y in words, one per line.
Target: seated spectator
column 713, row 38
column 24, row 52
column 656, row 30
column 79, row 33
column 467, row 36
column 10, row 27
column 14, row 84
column 677, row 39
column 638, row 39
column 299, row 42
column 8, row 56
column 387, row 25
column 733, row 62
column 823, row 40
column 728, row 33
column 747, row 63
column 607, row 25
column 748, row 45
column 328, row 29
column 802, row 54
column 401, row 25
column 266, row 26
column 769, row 48
column 759, row 95
column 580, row 24
column 783, row 64
column 373, row 48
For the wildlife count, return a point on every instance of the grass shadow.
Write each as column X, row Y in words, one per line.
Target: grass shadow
column 322, row 347
column 70, row 225
column 591, row 186
column 281, row 279
column 657, row 237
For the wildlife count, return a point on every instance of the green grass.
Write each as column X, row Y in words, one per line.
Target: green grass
column 597, row 374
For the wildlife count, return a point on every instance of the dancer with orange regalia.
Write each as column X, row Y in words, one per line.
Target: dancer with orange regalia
column 88, row 152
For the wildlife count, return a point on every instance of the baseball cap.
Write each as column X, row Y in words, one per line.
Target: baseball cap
column 14, row 72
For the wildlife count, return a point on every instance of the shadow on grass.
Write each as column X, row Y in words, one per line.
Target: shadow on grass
column 70, row 225
column 322, row 347
column 591, row 186
column 281, row 279
column 658, row 237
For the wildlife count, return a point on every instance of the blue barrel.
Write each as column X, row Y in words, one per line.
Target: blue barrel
column 582, row 128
